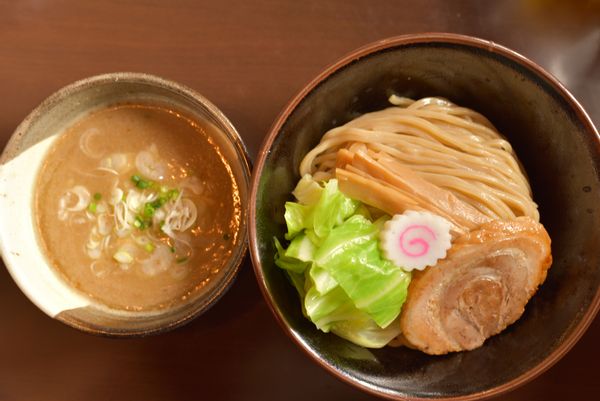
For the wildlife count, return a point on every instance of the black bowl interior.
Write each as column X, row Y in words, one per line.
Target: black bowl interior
column 559, row 153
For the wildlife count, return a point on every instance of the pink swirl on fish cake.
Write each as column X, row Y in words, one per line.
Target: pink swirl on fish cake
column 415, row 240
column 421, row 244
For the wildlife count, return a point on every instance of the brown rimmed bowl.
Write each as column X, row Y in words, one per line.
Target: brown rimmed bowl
column 560, row 150
column 23, row 157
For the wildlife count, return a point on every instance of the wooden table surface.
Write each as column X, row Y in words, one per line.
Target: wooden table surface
column 249, row 58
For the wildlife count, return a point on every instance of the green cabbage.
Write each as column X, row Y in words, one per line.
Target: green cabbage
column 333, row 261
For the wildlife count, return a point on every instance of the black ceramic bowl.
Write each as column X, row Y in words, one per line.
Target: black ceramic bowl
column 560, row 150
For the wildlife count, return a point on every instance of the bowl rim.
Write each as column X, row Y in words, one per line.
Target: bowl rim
column 231, row 135
column 355, row 55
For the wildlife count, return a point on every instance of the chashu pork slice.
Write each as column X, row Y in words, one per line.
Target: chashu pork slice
column 479, row 289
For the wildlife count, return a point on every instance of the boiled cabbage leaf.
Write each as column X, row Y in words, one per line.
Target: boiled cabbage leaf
column 333, row 261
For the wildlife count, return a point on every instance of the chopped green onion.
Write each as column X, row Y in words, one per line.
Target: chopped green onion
column 182, row 260
column 92, row 207
column 97, row 196
column 149, row 247
column 148, row 210
column 173, row 194
column 172, row 249
column 142, row 223
column 141, row 183
column 158, row 203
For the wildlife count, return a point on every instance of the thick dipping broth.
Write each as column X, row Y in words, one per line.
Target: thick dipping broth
column 137, row 207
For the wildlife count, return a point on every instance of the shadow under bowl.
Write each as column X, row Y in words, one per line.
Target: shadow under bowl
column 560, row 151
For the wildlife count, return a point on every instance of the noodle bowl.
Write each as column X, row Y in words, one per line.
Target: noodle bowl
column 552, row 136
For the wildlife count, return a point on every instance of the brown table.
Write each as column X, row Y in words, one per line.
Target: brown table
column 249, row 58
